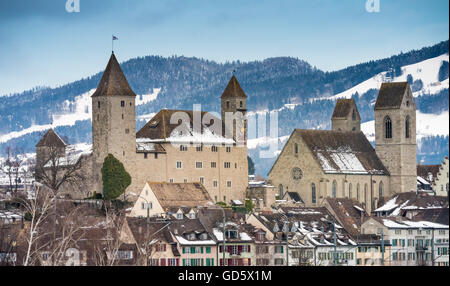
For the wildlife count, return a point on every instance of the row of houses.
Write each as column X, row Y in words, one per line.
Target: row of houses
column 178, row 225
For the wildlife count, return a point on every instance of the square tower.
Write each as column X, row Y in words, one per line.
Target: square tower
column 113, row 120
column 346, row 116
column 395, row 134
column 234, row 107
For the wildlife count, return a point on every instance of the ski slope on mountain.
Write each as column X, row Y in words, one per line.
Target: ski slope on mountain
column 427, row 71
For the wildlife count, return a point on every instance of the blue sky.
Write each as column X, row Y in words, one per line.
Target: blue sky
column 41, row 44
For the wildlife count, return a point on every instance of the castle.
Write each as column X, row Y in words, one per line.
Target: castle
column 169, row 148
column 341, row 163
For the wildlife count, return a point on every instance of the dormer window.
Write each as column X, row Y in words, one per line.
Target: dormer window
column 179, row 216
column 191, row 236
column 204, row 236
column 231, row 234
column 192, row 215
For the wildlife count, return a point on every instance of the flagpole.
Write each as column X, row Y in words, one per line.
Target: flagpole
column 112, row 44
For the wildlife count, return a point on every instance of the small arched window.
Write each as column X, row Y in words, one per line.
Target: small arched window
column 280, row 190
column 407, row 127
column 388, row 127
column 333, row 189
column 350, row 191
column 354, row 115
column 380, row 190
column 357, row 192
column 296, row 149
column 374, row 203
column 313, row 193
column 365, row 194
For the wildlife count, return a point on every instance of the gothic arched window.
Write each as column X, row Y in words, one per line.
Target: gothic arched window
column 365, row 194
column 296, row 149
column 380, row 190
column 350, row 191
column 388, row 127
column 333, row 189
column 407, row 127
column 313, row 193
column 357, row 192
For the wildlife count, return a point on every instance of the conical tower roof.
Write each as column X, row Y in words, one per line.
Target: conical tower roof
column 233, row 89
column 113, row 81
column 51, row 139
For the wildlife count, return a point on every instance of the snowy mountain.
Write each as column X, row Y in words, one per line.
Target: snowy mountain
column 301, row 96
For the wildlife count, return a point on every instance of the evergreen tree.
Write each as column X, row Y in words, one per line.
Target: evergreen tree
column 251, row 166
column 115, row 178
column 443, row 71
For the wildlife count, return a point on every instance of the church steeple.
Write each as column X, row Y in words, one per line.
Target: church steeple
column 234, row 103
column 233, row 89
column 113, row 81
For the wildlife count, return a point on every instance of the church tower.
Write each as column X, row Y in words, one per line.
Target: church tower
column 234, row 107
column 346, row 116
column 395, row 135
column 113, row 120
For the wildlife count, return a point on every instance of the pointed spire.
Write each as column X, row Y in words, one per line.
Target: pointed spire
column 113, row 81
column 233, row 89
column 51, row 139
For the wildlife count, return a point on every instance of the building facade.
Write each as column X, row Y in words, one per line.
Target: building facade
column 175, row 146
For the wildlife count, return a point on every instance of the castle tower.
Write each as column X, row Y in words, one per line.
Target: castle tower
column 395, row 134
column 50, row 146
column 113, row 120
column 346, row 116
column 234, row 107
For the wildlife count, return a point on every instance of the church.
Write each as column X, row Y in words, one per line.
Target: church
column 341, row 163
column 169, row 148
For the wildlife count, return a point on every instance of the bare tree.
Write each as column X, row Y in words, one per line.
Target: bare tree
column 12, row 166
column 60, row 169
column 38, row 207
column 69, row 232
column 8, row 244
column 106, row 250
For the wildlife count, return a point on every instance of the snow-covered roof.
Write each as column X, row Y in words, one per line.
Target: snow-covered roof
column 413, row 224
column 342, row 152
column 73, row 154
column 184, row 241
column 388, row 206
column 422, row 181
column 165, row 127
